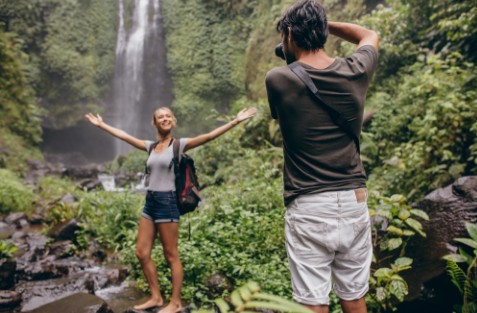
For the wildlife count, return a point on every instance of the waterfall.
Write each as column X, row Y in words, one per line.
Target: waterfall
column 141, row 82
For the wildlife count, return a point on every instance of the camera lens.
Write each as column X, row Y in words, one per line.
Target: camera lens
column 279, row 51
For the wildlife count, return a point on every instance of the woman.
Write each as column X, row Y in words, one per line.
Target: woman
column 160, row 213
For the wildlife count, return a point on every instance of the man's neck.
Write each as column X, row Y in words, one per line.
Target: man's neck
column 317, row 59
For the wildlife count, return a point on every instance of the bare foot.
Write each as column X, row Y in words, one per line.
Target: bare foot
column 149, row 304
column 172, row 307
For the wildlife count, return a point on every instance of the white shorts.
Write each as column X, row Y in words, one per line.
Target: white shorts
column 328, row 236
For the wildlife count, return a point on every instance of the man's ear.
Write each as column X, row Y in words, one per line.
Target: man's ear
column 289, row 35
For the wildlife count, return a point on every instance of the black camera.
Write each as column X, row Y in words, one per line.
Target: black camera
column 279, row 51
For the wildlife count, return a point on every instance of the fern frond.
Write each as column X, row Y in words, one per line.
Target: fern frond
column 457, row 275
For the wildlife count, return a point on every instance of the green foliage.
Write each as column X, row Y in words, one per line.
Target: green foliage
column 70, row 46
column 133, row 162
column 111, row 219
column 14, row 195
column 7, row 249
column 427, row 128
column 53, row 188
column 19, row 112
column 20, row 129
column 394, row 226
column 465, row 281
column 250, row 297
column 206, row 45
column 390, row 288
column 398, row 216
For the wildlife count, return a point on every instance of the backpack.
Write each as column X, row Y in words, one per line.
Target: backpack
column 187, row 184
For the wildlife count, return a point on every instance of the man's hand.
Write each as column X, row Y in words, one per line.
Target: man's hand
column 354, row 33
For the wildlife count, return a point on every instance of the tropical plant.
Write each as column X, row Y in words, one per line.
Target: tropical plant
column 465, row 279
column 389, row 287
column 393, row 227
column 7, row 249
column 248, row 298
column 14, row 195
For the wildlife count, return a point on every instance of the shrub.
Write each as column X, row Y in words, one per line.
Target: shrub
column 14, row 194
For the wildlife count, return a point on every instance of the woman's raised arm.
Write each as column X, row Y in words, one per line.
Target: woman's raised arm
column 97, row 120
column 246, row 113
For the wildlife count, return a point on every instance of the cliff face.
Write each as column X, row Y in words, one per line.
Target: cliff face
column 220, row 51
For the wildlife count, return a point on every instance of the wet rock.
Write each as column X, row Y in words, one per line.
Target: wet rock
column 45, row 269
column 217, row 284
column 19, row 237
column 23, row 223
column 9, row 299
column 82, row 172
column 6, row 230
column 61, row 249
column 36, row 247
column 38, row 293
column 99, row 255
column 90, row 184
column 36, row 218
column 76, row 303
column 117, row 275
column 7, row 273
column 14, row 218
column 68, row 199
column 451, row 206
column 65, row 231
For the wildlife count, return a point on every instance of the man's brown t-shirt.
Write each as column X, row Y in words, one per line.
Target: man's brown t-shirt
column 319, row 155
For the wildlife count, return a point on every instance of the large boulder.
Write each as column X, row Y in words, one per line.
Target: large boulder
column 448, row 209
column 76, row 303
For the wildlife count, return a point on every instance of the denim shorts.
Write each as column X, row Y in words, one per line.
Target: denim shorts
column 161, row 207
column 328, row 238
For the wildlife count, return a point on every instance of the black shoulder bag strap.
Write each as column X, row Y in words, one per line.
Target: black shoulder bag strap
column 337, row 117
column 175, row 149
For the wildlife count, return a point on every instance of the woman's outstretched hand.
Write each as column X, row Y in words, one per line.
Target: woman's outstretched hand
column 95, row 120
column 246, row 113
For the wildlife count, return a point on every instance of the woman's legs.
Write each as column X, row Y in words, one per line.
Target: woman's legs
column 169, row 234
column 145, row 240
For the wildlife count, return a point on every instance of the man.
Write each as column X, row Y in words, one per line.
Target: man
column 328, row 236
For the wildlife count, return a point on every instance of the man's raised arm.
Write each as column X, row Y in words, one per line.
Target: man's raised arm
column 354, row 33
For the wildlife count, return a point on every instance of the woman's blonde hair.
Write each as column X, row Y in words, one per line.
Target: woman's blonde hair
column 167, row 109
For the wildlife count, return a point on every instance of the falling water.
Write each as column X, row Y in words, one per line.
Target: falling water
column 141, row 82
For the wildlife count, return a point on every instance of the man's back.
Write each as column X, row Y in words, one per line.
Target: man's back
column 319, row 155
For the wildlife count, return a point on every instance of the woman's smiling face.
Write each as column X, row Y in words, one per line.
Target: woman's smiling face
column 164, row 119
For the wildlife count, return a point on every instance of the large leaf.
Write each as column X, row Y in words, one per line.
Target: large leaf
column 472, row 230
column 399, row 289
column 420, row 213
column 402, row 262
column 404, row 214
column 383, row 272
column 394, row 243
column 455, row 258
column 415, row 225
column 471, row 243
column 394, row 230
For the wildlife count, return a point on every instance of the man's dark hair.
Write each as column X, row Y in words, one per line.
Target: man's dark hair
column 308, row 24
